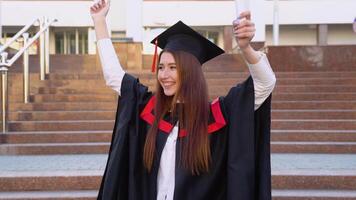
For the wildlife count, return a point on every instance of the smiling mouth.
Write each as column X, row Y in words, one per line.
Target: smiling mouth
column 167, row 84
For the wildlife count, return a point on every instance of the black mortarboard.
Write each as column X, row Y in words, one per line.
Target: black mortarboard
column 181, row 37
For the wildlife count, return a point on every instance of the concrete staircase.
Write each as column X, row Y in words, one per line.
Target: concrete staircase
column 312, row 112
column 71, row 114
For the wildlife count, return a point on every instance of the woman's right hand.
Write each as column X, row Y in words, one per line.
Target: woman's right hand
column 99, row 10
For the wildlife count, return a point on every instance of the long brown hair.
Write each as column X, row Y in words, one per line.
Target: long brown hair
column 193, row 115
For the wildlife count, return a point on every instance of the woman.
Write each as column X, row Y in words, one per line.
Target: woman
column 174, row 144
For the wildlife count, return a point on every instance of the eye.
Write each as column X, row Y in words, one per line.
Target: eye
column 160, row 67
column 173, row 67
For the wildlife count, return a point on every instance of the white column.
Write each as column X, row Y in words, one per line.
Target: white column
column 82, row 43
column 76, row 41
column 52, row 49
column 258, row 16
column 117, row 15
column 241, row 6
column 91, row 41
column 0, row 20
column 322, row 34
column 258, row 10
column 65, row 48
column 134, row 27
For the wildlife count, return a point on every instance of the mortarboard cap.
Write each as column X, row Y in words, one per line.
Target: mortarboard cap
column 181, row 37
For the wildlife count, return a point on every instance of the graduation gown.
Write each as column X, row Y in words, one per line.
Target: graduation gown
column 240, row 149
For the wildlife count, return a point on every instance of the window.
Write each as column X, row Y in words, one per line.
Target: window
column 71, row 41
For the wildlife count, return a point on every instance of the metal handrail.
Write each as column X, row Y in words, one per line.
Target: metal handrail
column 24, row 48
column 4, row 96
column 19, row 34
column 5, row 64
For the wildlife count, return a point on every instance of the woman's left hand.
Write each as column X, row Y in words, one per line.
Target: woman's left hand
column 244, row 30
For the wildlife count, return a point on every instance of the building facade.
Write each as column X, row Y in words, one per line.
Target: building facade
column 302, row 22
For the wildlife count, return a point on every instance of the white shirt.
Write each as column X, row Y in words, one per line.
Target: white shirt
column 264, row 81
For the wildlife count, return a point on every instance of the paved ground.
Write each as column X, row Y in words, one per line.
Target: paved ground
column 314, row 161
column 281, row 163
column 53, row 162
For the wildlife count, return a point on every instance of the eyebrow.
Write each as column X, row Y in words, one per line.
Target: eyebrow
column 168, row 64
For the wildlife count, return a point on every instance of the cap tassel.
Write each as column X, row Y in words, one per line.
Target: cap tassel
column 154, row 57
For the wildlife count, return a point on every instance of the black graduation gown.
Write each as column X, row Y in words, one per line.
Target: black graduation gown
column 240, row 148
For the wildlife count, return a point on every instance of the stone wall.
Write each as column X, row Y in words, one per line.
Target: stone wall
column 313, row 58
column 289, row 58
column 130, row 54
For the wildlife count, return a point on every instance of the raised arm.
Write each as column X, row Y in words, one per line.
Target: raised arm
column 112, row 70
column 262, row 74
column 98, row 12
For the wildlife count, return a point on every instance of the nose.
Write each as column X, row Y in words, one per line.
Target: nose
column 164, row 73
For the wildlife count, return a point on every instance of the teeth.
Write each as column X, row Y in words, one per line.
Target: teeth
column 167, row 84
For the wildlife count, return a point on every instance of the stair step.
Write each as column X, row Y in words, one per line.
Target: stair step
column 314, row 194
column 61, row 125
column 62, row 115
column 83, row 96
column 216, row 91
column 54, row 148
column 313, row 96
column 314, row 179
column 210, row 80
column 295, row 89
column 213, row 89
column 74, row 98
column 90, row 180
column 47, row 90
column 105, row 136
column 223, row 89
column 303, row 74
column 225, row 86
column 55, row 137
column 313, row 135
column 315, row 88
column 110, row 115
column 83, row 172
column 92, row 195
column 35, row 77
column 65, row 98
column 280, row 81
column 50, row 180
column 50, row 195
column 314, row 105
column 110, row 106
column 208, row 74
column 313, row 147
column 103, row 147
column 279, row 124
column 112, row 97
column 313, row 114
column 75, row 76
column 64, row 106
column 313, row 124
column 62, row 83
column 316, row 81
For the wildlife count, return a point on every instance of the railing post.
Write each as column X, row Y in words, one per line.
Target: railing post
column 47, row 46
column 42, row 50
column 26, row 71
column 4, row 92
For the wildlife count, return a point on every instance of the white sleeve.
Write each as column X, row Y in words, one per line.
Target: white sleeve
column 112, row 70
column 264, row 79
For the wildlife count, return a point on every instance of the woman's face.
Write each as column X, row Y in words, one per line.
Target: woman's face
column 168, row 74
